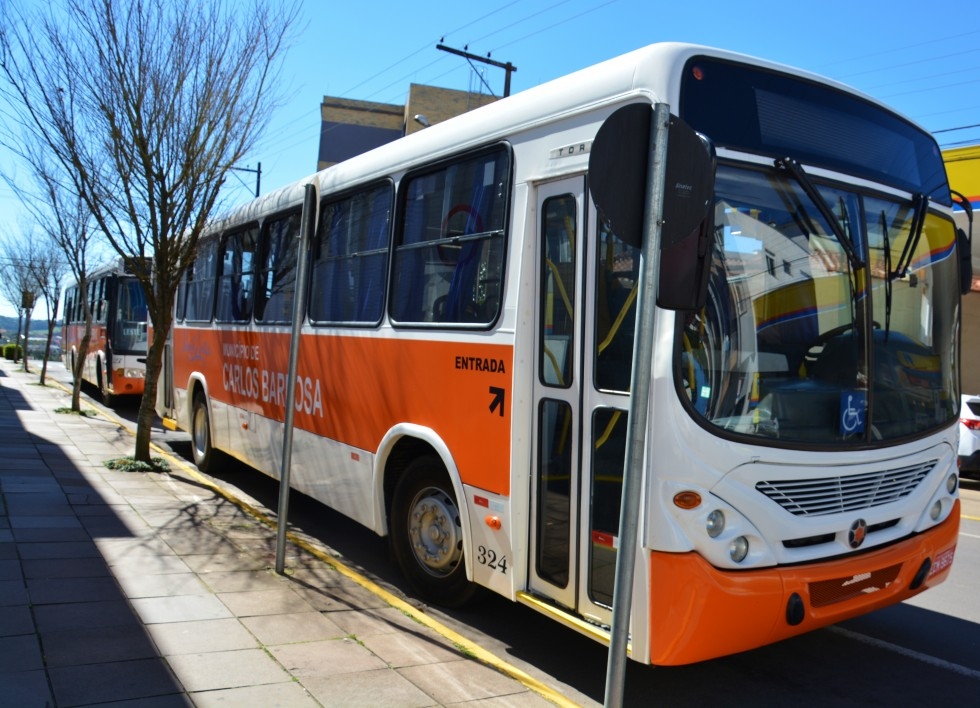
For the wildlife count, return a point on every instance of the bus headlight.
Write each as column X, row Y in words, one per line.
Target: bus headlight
column 739, row 549
column 134, row 373
column 951, row 483
column 936, row 509
column 715, row 523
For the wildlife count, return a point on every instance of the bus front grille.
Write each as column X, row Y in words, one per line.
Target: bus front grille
column 834, row 495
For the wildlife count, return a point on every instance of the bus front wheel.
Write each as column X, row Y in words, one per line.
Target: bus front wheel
column 107, row 398
column 201, row 434
column 426, row 534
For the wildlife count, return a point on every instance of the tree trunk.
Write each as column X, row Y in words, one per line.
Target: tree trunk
column 47, row 351
column 79, row 366
column 27, row 340
column 147, row 409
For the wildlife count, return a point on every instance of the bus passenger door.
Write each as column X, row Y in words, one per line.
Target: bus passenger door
column 557, row 428
column 583, row 354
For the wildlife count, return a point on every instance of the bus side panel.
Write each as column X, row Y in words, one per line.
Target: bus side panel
column 494, row 540
column 354, row 389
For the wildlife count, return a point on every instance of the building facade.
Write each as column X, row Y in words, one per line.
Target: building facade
column 349, row 128
column 963, row 171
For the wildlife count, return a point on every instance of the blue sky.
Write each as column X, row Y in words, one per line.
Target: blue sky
column 923, row 62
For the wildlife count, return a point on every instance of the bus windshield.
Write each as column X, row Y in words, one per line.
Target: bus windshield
column 801, row 342
column 129, row 326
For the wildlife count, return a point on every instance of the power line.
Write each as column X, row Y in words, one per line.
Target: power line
column 427, row 45
column 962, row 127
column 520, row 21
column 900, row 49
column 556, row 24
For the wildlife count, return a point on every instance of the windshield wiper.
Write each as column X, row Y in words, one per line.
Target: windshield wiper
column 793, row 167
column 919, row 202
column 888, row 269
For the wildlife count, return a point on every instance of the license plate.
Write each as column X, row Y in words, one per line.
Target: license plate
column 943, row 561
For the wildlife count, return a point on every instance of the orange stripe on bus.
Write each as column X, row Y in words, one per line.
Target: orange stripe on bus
column 355, row 389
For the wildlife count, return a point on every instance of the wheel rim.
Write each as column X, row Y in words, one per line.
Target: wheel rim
column 433, row 532
column 200, row 432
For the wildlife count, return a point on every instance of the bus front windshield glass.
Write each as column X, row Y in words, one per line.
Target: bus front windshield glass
column 801, row 342
column 129, row 326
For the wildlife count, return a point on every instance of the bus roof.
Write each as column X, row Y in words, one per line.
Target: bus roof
column 653, row 71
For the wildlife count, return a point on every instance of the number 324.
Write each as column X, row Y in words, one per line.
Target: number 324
column 488, row 557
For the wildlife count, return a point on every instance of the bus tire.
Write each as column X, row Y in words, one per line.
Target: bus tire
column 107, row 398
column 426, row 534
column 201, row 448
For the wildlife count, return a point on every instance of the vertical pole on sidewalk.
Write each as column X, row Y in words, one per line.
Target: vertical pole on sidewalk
column 307, row 225
column 646, row 307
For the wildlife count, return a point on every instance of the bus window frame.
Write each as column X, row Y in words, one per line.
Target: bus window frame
column 332, row 198
column 502, row 147
column 223, row 240
column 261, row 297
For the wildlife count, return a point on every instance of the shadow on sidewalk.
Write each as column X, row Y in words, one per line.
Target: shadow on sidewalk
column 68, row 634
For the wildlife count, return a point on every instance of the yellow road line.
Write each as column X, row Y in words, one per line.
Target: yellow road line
column 464, row 644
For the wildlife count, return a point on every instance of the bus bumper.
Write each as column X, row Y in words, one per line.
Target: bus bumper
column 698, row 612
column 127, row 385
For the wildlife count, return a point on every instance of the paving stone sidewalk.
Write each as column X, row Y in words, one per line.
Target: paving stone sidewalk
column 151, row 589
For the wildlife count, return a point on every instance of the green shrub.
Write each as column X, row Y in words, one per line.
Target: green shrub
column 9, row 351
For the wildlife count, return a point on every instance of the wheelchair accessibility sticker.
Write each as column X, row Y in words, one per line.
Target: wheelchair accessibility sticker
column 853, row 406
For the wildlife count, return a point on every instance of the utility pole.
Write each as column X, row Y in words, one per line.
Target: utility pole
column 258, row 175
column 507, row 67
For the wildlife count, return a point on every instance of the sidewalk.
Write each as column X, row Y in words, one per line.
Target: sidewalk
column 153, row 589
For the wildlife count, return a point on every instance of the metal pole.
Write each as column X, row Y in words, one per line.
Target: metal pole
column 646, row 307
column 302, row 267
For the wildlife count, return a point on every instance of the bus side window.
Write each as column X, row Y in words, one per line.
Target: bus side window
column 350, row 258
column 449, row 254
column 277, row 277
column 235, row 286
column 200, row 283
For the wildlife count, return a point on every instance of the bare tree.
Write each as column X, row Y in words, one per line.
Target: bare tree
column 11, row 282
column 19, row 287
column 64, row 219
column 147, row 105
column 48, row 268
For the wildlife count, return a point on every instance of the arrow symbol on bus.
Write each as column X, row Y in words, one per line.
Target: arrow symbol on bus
column 498, row 400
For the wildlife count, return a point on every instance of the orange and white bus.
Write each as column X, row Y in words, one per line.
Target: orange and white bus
column 116, row 359
column 464, row 363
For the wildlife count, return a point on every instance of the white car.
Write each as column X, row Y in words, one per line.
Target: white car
column 969, row 452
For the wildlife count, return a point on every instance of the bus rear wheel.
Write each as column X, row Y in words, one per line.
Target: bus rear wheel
column 426, row 534
column 201, row 447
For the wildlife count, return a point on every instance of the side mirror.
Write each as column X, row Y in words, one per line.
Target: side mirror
column 618, row 175
column 964, row 245
column 688, row 235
